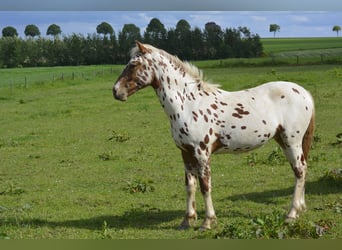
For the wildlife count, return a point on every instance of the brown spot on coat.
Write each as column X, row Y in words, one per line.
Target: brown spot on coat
column 202, row 146
column 206, row 139
column 295, row 90
column 214, row 106
column 237, row 115
column 278, row 136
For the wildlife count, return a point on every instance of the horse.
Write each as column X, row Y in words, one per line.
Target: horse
column 205, row 119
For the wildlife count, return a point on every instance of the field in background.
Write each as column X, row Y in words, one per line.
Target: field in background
column 77, row 164
column 277, row 45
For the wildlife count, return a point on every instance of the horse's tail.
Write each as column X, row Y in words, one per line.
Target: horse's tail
column 308, row 136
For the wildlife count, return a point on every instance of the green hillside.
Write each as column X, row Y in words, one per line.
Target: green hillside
column 277, row 45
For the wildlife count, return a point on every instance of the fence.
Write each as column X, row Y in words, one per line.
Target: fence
column 23, row 78
column 309, row 57
column 279, row 59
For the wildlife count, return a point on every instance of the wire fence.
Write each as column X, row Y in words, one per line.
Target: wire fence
column 23, row 78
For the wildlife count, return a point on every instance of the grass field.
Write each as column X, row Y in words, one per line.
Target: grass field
column 277, row 45
column 76, row 164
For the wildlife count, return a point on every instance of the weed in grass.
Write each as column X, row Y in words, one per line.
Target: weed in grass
column 338, row 142
column 333, row 177
column 107, row 156
column 273, row 226
column 4, row 236
column 105, row 231
column 139, row 186
column 119, row 136
column 12, row 190
column 252, row 159
column 318, row 157
column 276, row 157
column 336, row 206
column 234, row 231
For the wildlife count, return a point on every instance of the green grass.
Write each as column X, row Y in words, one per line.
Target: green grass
column 77, row 164
column 298, row 44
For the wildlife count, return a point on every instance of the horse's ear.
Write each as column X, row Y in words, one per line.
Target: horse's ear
column 142, row 48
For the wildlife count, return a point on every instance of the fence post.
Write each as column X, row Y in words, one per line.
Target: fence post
column 25, row 85
column 322, row 58
column 73, row 75
column 297, row 59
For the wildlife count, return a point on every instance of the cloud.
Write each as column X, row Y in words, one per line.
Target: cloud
column 300, row 19
column 259, row 18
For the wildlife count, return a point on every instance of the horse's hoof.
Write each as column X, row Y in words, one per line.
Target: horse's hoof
column 289, row 220
column 207, row 223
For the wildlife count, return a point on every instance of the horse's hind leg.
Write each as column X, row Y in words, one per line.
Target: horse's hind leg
column 293, row 150
column 295, row 156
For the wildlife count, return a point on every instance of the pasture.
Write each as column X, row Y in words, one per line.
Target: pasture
column 76, row 164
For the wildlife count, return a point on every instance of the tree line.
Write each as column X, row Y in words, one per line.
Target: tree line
column 105, row 47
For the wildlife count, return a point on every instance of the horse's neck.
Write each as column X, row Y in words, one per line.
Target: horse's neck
column 175, row 89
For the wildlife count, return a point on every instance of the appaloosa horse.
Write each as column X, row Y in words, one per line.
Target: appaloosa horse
column 205, row 119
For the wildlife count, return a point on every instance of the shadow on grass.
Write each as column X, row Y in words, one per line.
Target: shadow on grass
column 138, row 219
column 319, row 187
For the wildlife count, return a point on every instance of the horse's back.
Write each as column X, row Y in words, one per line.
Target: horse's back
column 257, row 114
column 289, row 103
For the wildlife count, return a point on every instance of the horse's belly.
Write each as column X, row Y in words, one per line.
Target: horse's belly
column 238, row 148
column 248, row 140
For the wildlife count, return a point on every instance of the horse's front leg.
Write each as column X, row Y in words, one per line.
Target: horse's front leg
column 205, row 185
column 191, row 170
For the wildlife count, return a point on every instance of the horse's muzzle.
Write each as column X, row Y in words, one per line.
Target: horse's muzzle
column 119, row 96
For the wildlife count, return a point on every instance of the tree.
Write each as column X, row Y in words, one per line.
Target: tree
column 104, row 28
column 274, row 28
column 54, row 30
column 127, row 37
column 213, row 37
column 197, row 44
column 9, row 31
column 32, row 30
column 183, row 39
column 337, row 29
column 155, row 33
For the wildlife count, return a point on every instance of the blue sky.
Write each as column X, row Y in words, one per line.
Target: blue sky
column 292, row 23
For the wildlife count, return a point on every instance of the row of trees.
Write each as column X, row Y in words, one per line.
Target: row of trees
column 104, row 47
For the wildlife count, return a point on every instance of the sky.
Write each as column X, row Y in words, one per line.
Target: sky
column 292, row 23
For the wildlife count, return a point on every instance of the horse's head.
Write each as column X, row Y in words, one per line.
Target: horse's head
column 138, row 73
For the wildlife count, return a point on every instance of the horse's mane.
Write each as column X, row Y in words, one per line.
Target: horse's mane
column 188, row 67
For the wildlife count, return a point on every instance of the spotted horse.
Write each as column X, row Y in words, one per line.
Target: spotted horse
column 205, row 120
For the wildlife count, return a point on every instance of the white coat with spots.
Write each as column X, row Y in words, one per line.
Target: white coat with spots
column 205, row 119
